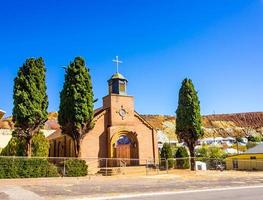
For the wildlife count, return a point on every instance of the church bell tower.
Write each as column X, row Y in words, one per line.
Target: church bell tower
column 118, row 84
column 120, row 104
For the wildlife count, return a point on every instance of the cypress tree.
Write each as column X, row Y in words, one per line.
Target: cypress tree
column 75, row 114
column 188, row 118
column 30, row 100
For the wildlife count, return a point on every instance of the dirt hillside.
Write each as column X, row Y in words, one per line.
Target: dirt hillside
column 240, row 124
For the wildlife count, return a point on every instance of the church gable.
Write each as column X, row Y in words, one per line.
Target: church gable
column 98, row 114
column 145, row 122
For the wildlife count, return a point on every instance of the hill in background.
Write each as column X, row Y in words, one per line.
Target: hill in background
column 223, row 125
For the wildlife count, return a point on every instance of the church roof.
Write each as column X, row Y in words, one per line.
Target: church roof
column 55, row 135
column 118, row 76
column 58, row 133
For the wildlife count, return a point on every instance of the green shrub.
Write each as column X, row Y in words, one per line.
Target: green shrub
column 9, row 168
column 16, row 146
column 26, row 168
column 202, row 152
column 216, row 153
column 210, row 152
column 76, row 168
column 211, row 155
column 167, row 153
column 40, row 145
column 182, row 158
column 254, row 138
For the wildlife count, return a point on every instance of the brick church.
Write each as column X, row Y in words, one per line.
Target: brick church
column 119, row 131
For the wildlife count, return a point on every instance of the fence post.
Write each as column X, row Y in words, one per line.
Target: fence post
column 167, row 167
column 146, row 167
column 106, row 167
column 64, row 168
column 47, row 170
column 158, row 166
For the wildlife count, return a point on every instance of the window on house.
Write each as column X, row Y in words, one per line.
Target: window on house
column 235, row 164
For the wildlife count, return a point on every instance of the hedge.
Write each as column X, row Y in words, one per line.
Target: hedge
column 26, row 168
column 76, row 168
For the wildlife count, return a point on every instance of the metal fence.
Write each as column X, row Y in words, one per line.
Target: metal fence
column 114, row 166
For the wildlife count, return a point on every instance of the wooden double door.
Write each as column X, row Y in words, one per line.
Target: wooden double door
column 124, row 152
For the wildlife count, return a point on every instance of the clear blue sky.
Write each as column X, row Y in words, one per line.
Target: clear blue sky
column 216, row 43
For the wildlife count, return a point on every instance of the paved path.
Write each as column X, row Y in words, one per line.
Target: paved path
column 167, row 186
column 18, row 193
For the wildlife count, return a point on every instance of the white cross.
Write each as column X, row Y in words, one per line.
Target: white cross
column 117, row 61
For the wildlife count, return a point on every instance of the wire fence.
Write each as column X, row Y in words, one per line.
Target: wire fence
column 24, row 167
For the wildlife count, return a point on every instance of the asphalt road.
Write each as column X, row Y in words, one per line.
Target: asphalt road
column 182, row 185
column 220, row 194
column 241, row 193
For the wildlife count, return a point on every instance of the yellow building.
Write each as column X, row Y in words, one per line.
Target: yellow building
column 252, row 160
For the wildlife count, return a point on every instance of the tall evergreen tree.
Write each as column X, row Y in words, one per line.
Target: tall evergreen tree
column 30, row 100
column 75, row 114
column 188, row 118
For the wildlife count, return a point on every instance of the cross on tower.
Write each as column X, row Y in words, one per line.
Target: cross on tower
column 117, row 61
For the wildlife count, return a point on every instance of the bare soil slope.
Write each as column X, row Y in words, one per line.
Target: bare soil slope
column 240, row 124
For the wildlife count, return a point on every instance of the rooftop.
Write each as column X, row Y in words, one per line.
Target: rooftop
column 257, row 149
column 118, row 76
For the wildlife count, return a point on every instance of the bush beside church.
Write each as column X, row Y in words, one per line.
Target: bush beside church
column 76, row 168
column 26, row 168
column 40, row 167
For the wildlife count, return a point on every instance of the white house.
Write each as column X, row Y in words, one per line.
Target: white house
column 2, row 113
column 162, row 138
column 6, row 135
column 229, row 141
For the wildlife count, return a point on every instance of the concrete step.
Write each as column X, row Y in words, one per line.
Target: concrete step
column 122, row 170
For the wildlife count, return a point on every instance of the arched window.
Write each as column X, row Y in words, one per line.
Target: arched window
column 123, row 140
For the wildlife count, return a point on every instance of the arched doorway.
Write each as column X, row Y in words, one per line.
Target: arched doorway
column 125, row 148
